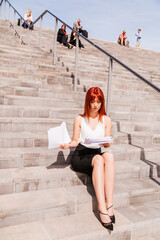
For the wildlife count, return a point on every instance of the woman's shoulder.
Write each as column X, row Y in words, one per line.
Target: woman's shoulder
column 107, row 119
column 78, row 118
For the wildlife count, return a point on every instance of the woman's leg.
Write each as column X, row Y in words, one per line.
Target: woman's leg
column 109, row 175
column 31, row 27
column 64, row 41
column 24, row 25
column 98, row 183
column 121, row 41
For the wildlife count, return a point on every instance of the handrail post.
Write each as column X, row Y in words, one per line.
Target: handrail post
column 4, row 9
column 20, row 39
column 28, row 43
column 0, row 11
column 109, row 86
column 9, row 12
column 40, row 38
column 76, row 62
column 14, row 20
column 55, row 40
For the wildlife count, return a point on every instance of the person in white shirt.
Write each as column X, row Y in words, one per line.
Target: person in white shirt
column 138, row 38
column 29, row 19
column 88, row 158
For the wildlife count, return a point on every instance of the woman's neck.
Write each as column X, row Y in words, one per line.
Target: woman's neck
column 93, row 115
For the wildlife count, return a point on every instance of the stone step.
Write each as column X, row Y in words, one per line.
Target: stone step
column 41, row 125
column 25, row 76
column 140, row 216
column 37, row 112
column 68, row 61
column 43, row 93
column 50, row 67
column 38, row 67
column 52, row 82
column 37, row 101
column 154, row 236
column 35, row 210
column 48, row 93
column 122, row 106
column 135, row 116
column 39, row 156
column 35, row 139
column 36, row 205
column 124, row 110
column 146, row 138
column 80, row 226
column 24, row 52
column 131, row 126
column 52, row 176
column 44, row 121
column 146, row 127
column 26, row 59
column 76, row 229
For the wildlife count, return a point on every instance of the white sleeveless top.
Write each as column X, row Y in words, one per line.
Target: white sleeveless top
column 87, row 133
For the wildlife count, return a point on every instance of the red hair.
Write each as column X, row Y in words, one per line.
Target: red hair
column 90, row 96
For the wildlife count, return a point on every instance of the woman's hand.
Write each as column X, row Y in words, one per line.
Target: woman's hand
column 64, row 146
column 106, row 145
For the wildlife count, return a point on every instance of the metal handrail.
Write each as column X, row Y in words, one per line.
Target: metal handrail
column 15, row 11
column 92, row 43
column 101, row 49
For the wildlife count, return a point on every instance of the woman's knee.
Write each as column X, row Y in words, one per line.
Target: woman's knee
column 108, row 157
column 97, row 160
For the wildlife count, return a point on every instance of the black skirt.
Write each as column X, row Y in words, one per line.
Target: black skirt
column 81, row 160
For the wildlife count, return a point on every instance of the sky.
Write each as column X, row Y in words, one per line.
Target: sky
column 103, row 19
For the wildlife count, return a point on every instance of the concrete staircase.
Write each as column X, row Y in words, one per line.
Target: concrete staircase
column 40, row 196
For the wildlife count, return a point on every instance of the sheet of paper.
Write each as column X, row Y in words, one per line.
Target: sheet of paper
column 57, row 136
column 99, row 140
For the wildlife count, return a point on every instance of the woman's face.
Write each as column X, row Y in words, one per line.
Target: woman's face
column 29, row 12
column 95, row 105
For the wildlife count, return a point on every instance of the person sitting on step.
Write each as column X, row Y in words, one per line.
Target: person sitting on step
column 73, row 38
column 80, row 30
column 122, row 40
column 29, row 19
column 88, row 158
column 62, row 37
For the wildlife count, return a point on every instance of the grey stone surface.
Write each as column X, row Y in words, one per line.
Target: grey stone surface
column 37, row 96
column 30, row 206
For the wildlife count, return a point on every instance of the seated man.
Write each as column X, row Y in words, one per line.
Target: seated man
column 122, row 40
column 79, row 29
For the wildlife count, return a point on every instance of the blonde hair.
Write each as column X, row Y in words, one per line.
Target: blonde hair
column 28, row 12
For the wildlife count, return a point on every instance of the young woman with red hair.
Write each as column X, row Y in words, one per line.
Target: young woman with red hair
column 87, row 158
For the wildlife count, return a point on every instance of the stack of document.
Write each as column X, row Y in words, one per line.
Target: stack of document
column 57, row 136
column 99, row 140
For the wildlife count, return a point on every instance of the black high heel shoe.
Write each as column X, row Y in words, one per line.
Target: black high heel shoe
column 107, row 225
column 113, row 219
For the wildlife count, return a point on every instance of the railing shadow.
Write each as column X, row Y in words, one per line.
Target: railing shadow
column 83, row 179
column 142, row 156
column 61, row 162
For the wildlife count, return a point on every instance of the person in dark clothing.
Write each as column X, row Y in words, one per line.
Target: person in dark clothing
column 73, row 38
column 62, row 36
column 80, row 30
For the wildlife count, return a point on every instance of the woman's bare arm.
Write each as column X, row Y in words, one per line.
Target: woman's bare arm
column 76, row 134
column 108, row 129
